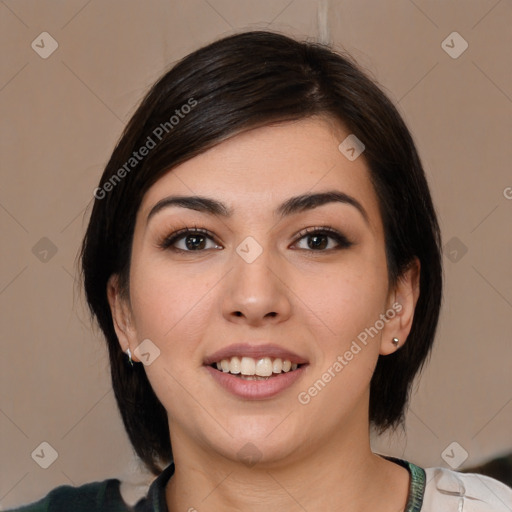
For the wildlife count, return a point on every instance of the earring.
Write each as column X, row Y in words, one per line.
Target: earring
column 396, row 341
column 128, row 352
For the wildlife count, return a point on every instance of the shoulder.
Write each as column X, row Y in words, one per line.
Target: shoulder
column 450, row 490
column 96, row 496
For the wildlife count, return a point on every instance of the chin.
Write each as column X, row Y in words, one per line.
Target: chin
column 260, row 441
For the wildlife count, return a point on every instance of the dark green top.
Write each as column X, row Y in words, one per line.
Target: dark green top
column 106, row 497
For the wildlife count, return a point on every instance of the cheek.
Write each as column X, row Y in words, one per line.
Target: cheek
column 173, row 310
column 169, row 306
column 346, row 298
column 345, row 307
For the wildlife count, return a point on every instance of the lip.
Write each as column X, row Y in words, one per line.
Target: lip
column 254, row 351
column 256, row 389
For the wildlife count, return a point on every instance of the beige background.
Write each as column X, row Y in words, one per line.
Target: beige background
column 61, row 117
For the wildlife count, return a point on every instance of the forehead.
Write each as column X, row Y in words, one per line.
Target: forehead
column 261, row 168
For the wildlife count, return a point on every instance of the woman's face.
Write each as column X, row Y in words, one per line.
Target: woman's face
column 261, row 281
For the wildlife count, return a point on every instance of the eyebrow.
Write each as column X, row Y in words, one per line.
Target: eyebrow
column 291, row 206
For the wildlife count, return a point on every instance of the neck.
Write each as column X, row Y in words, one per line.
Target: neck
column 342, row 474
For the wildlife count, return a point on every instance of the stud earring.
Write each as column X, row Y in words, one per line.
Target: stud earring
column 396, row 341
column 129, row 353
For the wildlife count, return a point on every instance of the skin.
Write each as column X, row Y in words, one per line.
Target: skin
column 312, row 301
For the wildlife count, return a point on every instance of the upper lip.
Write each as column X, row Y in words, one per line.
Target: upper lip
column 255, row 351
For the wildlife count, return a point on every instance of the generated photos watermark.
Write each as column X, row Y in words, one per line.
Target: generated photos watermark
column 305, row 397
column 151, row 142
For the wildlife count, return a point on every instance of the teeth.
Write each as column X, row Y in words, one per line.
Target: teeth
column 235, row 365
column 247, row 366
column 253, row 377
column 277, row 366
column 264, row 367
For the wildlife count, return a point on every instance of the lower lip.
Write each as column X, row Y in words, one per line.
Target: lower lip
column 256, row 389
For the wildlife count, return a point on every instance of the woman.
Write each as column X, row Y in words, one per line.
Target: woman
column 263, row 257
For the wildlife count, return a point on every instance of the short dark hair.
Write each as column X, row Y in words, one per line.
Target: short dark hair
column 232, row 85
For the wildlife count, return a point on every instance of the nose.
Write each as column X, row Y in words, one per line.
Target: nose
column 256, row 293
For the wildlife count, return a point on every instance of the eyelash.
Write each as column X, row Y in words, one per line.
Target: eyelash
column 343, row 242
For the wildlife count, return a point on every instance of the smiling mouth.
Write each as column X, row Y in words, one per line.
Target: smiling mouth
column 248, row 368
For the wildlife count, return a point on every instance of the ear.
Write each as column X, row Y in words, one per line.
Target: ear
column 401, row 304
column 122, row 317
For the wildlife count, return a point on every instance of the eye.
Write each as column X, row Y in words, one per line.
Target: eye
column 194, row 240
column 318, row 239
